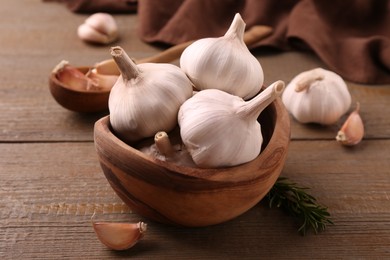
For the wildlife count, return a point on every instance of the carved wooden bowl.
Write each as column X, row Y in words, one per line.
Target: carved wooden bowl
column 193, row 197
column 78, row 100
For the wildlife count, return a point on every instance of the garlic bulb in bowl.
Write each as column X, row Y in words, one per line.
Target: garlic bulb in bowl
column 146, row 97
column 220, row 130
column 224, row 63
column 317, row 96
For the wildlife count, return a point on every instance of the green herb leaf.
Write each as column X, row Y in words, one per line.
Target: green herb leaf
column 300, row 205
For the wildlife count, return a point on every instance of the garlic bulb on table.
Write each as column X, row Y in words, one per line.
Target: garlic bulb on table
column 317, row 96
column 146, row 97
column 224, row 63
column 219, row 129
column 99, row 28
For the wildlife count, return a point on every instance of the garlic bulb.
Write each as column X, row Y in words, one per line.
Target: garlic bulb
column 146, row 98
column 317, row 96
column 352, row 131
column 99, row 28
column 220, row 129
column 224, row 63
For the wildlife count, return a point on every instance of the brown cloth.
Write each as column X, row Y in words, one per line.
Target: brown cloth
column 352, row 37
column 94, row 6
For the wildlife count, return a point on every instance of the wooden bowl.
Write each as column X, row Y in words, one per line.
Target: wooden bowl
column 78, row 100
column 193, row 197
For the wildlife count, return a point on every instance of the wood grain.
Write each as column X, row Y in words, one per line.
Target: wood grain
column 51, row 182
column 50, row 201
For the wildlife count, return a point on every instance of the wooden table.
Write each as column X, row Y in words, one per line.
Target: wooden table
column 51, row 182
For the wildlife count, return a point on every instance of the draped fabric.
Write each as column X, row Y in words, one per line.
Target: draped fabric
column 352, row 37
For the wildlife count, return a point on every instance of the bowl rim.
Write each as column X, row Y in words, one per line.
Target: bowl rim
column 270, row 155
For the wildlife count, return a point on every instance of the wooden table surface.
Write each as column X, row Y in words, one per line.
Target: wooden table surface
column 51, row 182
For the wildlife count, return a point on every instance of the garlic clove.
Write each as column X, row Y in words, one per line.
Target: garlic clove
column 224, row 63
column 317, row 96
column 99, row 28
column 221, row 130
column 119, row 236
column 352, row 131
column 72, row 78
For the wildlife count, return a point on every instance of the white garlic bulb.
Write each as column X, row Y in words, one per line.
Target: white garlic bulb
column 317, row 96
column 219, row 129
column 146, row 97
column 99, row 28
column 224, row 63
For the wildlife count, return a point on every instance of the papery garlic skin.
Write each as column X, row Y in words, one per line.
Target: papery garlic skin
column 317, row 96
column 99, row 28
column 146, row 97
column 224, row 63
column 220, row 129
column 352, row 131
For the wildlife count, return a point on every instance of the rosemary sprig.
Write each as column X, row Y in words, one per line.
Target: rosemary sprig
column 300, row 205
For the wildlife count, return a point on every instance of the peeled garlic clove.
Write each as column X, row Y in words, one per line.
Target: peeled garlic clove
column 317, row 96
column 119, row 236
column 146, row 97
column 224, row 63
column 99, row 28
column 352, row 131
column 219, row 129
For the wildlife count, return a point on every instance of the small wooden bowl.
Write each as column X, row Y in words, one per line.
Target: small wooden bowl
column 84, row 101
column 193, row 197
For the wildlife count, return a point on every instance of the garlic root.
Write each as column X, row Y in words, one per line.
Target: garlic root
column 119, row 236
column 352, row 131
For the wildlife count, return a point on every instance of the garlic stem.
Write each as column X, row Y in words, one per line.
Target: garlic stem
column 237, row 28
column 163, row 144
column 255, row 106
column 126, row 65
column 308, row 78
